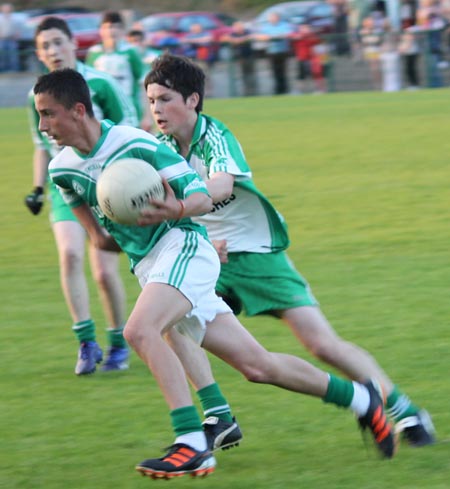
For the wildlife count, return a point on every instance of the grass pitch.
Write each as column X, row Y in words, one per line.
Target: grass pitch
column 362, row 180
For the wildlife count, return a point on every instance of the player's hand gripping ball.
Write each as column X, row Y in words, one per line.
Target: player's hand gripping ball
column 125, row 187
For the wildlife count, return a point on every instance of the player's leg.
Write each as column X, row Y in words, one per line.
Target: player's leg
column 314, row 331
column 281, row 290
column 159, row 307
column 178, row 272
column 105, row 270
column 226, row 338
column 70, row 242
column 220, row 427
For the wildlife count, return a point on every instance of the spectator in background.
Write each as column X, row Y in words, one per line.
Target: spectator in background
column 390, row 64
column 122, row 61
column 341, row 28
column 199, row 46
column 358, row 11
column 163, row 40
column 409, row 50
column 425, row 9
column 371, row 38
column 277, row 33
column 433, row 24
column 9, row 33
column 240, row 39
column 407, row 13
column 304, row 42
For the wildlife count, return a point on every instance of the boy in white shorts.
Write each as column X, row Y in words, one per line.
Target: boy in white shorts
column 177, row 268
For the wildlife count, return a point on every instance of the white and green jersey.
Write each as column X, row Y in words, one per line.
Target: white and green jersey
column 247, row 220
column 77, row 174
column 124, row 64
column 108, row 100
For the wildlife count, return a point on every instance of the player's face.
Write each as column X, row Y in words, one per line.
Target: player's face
column 54, row 119
column 111, row 33
column 171, row 113
column 55, row 50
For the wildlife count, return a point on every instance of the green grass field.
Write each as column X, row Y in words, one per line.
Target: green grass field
column 363, row 181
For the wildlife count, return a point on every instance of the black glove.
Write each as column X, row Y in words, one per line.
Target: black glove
column 35, row 200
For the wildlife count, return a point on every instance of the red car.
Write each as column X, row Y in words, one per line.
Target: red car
column 84, row 28
column 177, row 25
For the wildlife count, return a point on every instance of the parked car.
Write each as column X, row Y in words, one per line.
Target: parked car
column 177, row 25
column 84, row 27
column 36, row 12
column 318, row 14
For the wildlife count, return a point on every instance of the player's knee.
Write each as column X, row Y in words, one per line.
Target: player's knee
column 70, row 259
column 103, row 277
column 132, row 335
column 136, row 335
column 257, row 372
column 251, row 374
column 256, row 376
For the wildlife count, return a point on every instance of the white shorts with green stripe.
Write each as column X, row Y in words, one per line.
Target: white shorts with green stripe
column 185, row 260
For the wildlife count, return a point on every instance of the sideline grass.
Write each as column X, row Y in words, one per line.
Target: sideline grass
column 362, row 180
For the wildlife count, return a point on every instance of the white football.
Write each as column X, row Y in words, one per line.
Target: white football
column 125, row 187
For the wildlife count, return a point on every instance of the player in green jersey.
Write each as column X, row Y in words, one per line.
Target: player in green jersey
column 177, row 268
column 56, row 48
column 256, row 274
column 122, row 61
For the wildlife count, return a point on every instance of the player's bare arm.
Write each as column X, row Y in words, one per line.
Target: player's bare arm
column 220, row 186
column 40, row 167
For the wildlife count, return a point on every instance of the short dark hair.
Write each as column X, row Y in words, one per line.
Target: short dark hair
column 53, row 23
column 112, row 17
column 178, row 73
column 136, row 33
column 67, row 86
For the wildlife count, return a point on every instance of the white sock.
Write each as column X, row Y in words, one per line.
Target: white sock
column 361, row 399
column 195, row 439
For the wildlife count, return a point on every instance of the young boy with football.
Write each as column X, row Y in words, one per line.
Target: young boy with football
column 251, row 236
column 177, row 268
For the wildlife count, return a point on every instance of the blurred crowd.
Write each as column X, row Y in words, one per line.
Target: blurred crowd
column 409, row 55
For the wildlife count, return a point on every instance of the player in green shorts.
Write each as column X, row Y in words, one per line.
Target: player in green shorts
column 122, row 61
column 56, row 48
column 251, row 236
column 177, row 268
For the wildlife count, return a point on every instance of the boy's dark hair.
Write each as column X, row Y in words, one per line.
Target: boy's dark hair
column 136, row 33
column 53, row 23
column 179, row 74
column 67, row 86
column 112, row 17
